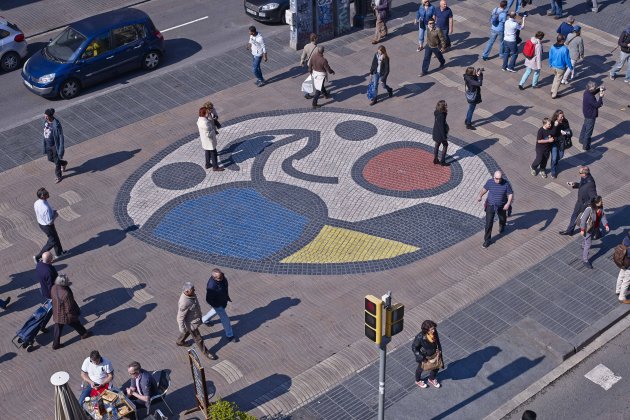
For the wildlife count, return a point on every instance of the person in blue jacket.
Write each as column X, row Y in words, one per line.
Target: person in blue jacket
column 559, row 61
column 425, row 12
column 497, row 23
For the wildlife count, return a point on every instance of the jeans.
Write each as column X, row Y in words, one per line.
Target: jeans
column 490, row 212
column 518, row 5
column 53, row 241
column 556, row 7
column 428, row 51
column 528, row 71
column 225, row 319
column 623, row 282
column 420, row 35
column 469, row 114
column 623, row 59
column 377, row 77
column 256, row 60
column 587, row 132
column 557, row 77
column 556, row 154
column 493, row 37
column 510, row 52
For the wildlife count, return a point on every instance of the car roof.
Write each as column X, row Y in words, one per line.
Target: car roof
column 107, row 20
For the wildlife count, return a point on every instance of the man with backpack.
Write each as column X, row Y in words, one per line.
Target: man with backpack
column 622, row 260
column 497, row 24
column 624, row 55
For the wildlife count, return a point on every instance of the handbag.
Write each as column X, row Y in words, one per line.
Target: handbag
column 471, row 95
column 371, row 91
column 433, row 362
column 566, row 141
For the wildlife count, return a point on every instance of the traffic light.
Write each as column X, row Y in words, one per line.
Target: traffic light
column 373, row 318
column 394, row 319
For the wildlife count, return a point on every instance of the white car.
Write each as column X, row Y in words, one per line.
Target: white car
column 12, row 45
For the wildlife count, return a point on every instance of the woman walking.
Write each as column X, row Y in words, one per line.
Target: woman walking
column 562, row 137
column 428, row 351
column 207, row 125
column 379, row 71
column 473, row 81
column 591, row 223
column 440, row 133
column 65, row 310
column 534, row 63
column 425, row 12
column 543, row 147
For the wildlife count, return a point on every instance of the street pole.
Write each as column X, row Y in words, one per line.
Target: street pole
column 381, row 378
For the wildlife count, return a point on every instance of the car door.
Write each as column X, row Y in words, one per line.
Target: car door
column 97, row 61
column 128, row 42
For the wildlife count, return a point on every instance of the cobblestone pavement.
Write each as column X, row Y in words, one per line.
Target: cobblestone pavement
column 300, row 333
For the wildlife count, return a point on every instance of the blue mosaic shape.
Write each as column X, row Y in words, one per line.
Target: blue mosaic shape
column 237, row 222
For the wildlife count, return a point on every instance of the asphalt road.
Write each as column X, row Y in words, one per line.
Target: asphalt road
column 214, row 35
column 573, row 396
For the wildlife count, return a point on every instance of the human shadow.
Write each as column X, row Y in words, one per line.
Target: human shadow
column 618, row 217
column 532, row 218
column 348, row 87
column 109, row 238
column 469, row 366
column 122, row 320
column 467, row 43
column 413, row 89
column 583, row 158
column 504, row 114
column 463, row 60
column 276, row 384
column 103, row 302
column 621, row 129
column 183, row 398
column 243, row 150
column 7, row 356
column 254, row 319
column 101, row 163
column 474, row 148
column 293, row 72
column 498, row 379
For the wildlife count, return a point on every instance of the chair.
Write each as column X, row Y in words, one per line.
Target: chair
column 163, row 384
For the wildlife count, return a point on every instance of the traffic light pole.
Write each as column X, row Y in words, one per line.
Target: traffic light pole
column 381, row 377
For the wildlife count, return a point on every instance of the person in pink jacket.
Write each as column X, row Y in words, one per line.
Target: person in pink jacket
column 534, row 63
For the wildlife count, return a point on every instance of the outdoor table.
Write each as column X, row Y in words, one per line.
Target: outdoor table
column 121, row 401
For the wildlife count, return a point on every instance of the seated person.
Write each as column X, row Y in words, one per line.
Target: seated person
column 98, row 373
column 142, row 385
column 92, row 49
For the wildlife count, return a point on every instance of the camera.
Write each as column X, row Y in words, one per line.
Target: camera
column 602, row 88
column 480, row 69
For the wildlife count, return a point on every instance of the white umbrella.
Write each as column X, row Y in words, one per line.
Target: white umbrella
column 66, row 405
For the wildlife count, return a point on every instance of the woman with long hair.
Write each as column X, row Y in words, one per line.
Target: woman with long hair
column 440, row 132
column 473, row 79
column 428, row 351
column 380, row 71
column 562, row 136
column 591, row 223
column 206, row 123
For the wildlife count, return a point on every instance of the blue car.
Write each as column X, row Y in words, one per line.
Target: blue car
column 92, row 50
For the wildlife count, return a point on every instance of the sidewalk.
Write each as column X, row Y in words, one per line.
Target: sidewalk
column 301, row 334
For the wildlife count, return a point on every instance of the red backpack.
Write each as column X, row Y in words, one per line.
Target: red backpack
column 529, row 49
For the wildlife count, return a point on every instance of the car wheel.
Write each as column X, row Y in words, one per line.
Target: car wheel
column 69, row 89
column 151, row 60
column 10, row 61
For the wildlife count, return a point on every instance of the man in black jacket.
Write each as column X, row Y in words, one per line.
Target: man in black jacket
column 587, row 190
column 217, row 297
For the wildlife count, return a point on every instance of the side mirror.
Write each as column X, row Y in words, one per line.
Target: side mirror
column 79, row 61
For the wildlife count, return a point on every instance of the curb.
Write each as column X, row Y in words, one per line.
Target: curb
column 613, row 325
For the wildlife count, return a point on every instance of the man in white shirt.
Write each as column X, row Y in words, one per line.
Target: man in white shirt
column 46, row 216
column 97, row 372
column 510, row 45
column 257, row 46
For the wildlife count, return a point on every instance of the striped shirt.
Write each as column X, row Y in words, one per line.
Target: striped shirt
column 498, row 192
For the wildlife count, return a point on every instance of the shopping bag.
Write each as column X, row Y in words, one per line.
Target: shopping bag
column 371, row 91
column 307, row 85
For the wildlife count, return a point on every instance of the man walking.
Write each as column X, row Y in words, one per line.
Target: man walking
column 46, row 216
column 444, row 21
column 257, row 47
column 590, row 110
column 498, row 202
column 575, row 43
column 435, row 45
column 54, row 142
column 319, row 69
column 510, row 48
column 587, row 190
column 380, row 10
column 46, row 274
column 497, row 23
column 189, row 319
column 566, row 28
column 556, row 9
column 623, row 279
column 624, row 55
column 559, row 61
column 217, row 297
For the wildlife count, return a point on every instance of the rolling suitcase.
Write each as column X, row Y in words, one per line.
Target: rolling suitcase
column 26, row 335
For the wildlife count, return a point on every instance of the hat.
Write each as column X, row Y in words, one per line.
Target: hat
column 187, row 286
column 577, row 28
column 49, row 112
column 570, row 19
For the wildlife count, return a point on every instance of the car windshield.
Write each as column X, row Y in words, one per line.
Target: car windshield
column 63, row 47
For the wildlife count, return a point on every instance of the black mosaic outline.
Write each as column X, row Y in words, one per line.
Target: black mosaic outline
column 457, row 173
column 268, row 266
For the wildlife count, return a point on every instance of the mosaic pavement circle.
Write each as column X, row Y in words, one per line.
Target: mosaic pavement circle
column 308, row 192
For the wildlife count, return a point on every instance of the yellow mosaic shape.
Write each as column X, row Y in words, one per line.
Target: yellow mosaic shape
column 339, row 245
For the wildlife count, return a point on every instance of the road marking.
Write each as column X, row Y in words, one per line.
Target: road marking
column 183, row 24
column 558, row 189
column 602, row 376
column 228, row 370
column 72, row 197
column 68, row 214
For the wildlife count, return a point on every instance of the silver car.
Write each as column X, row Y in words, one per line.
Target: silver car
column 12, row 45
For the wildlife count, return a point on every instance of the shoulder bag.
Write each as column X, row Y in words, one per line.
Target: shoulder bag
column 433, row 362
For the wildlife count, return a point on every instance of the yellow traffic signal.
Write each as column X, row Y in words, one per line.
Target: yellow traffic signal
column 373, row 318
column 394, row 319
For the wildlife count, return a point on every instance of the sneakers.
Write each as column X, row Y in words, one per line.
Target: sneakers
column 486, row 244
column 435, row 383
column 532, row 171
column 422, row 385
column 63, row 254
column 543, row 174
column 564, row 82
column 504, row 69
column 612, row 76
column 511, row 70
column 470, row 127
column 210, row 356
column 587, row 264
